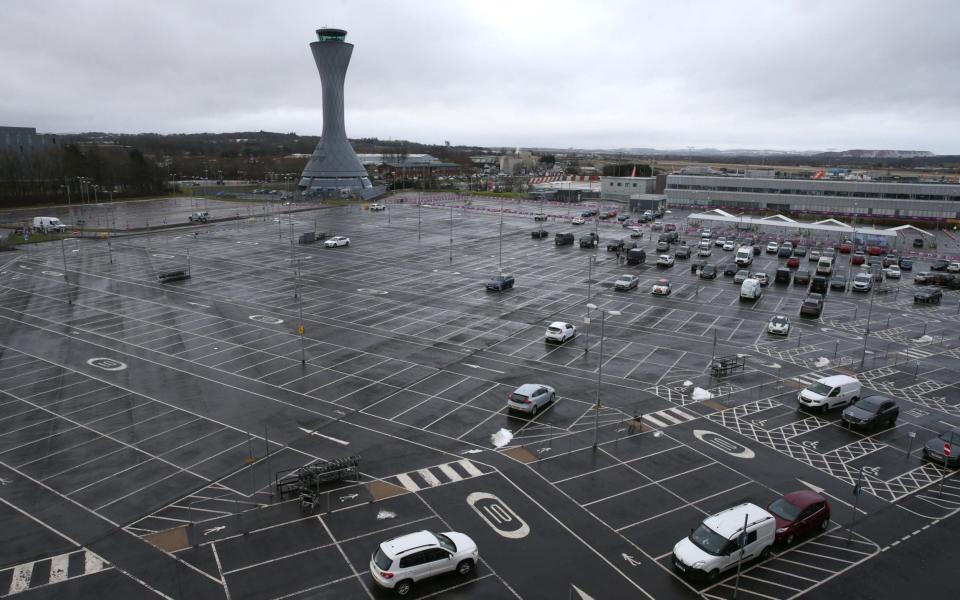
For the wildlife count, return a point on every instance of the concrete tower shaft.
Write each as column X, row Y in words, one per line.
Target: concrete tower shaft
column 334, row 165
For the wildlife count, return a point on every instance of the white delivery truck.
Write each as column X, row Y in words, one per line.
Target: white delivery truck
column 744, row 256
column 825, row 265
column 48, row 224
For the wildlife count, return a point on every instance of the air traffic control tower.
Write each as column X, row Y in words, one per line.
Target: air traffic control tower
column 334, row 166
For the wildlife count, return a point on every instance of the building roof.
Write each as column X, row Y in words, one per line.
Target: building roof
column 720, row 216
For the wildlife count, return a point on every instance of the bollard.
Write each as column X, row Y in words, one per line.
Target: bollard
column 836, row 347
column 916, row 369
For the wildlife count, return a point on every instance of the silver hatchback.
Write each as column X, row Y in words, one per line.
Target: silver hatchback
column 531, row 397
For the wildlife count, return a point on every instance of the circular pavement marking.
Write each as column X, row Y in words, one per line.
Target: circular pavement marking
column 266, row 319
column 372, row 291
column 107, row 364
column 53, row 273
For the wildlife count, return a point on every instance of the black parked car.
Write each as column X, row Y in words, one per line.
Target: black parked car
column 730, row 269
column 563, row 239
column 871, row 412
column 682, row 252
column 708, row 272
column 939, row 265
column 500, row 282
column 933, row 449
column 928, row 296
column 539, row 234
column 615, row 245
column 942, row 278
column 838, row 282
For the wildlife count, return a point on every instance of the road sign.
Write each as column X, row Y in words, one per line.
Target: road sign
column 300, row 329
column 946, row 448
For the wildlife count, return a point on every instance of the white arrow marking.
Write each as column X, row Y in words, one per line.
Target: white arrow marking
column 5, row 481
column 214, row 529
column 25, row 267
column 198, row 304
column 633, row 562
column 485, row 368
column 818, row 490
column 348, row 497
column 583, row 594
column 332, row 439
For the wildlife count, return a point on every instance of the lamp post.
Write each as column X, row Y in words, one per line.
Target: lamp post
column 500, row 259
column 596, row 408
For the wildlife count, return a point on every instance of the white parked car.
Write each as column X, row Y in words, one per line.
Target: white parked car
column 399, row 563
column 773, row 248
column 558, row 331
column 720, row 241
column 893, row 272
column 578, row 221
column 779, row 325
column 729, row 246
column 661, row 288
column 953, row 267
column 704, row 252
column 376, row 206
column 761, row 277
column 530, row 397
column 665, row 260
column 337, row 240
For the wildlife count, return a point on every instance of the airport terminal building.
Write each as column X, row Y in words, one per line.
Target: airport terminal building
column 865, row 199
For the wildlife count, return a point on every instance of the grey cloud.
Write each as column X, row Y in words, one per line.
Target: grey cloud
column 599, row 74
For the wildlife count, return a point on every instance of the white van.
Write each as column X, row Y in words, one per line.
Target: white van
column 48, row 224
column 750, row 289
column 830, row 392
column 825, row 265
column 714, row 546
column 744, row 256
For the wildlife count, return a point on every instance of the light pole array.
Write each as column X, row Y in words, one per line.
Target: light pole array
column 596, row 417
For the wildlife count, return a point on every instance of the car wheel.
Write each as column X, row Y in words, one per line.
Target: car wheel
column 713, row 575
column 892, row 421
column 824, row 524
column 553, row 397
column 403, row 588
column 789, row 540
column 533, row 411
column 765, row 553
column 823, row 409
column 465, row 567
column 347, row 244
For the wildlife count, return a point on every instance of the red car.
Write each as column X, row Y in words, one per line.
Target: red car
column 858, row 258
column 798, row 514
column 846, row 248
column 793, row 262
column 874, row 250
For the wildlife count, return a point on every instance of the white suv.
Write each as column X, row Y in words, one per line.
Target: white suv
column 400, row 562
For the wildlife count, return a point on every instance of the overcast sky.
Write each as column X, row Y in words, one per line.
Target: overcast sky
column 765, row 74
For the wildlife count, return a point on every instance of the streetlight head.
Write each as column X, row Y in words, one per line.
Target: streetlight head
column 591, row 306
column 613, row 313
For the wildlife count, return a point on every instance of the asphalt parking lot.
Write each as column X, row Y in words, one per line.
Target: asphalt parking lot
column 145, row 424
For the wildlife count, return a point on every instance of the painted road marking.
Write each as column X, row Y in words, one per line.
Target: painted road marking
column 326, row 437
column 450, row 473
column 668, row 417
column 470, row 468
column 723, row 443
column 408, row 483
column 266, row 319
column 107, row 364
column 498, row 515
column 59, row 565
column 429, row 477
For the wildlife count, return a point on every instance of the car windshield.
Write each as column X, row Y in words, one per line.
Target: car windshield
column 552, row 329
column 780, row 321
column 785, row 510
column 820, row 388
column 663, row 282
column 810, row 302
column 517, row 397
column 952, row 436
column 871, row 403
column 382, row 561
column 861, row 277
column 708, row 540
column 445, row 542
